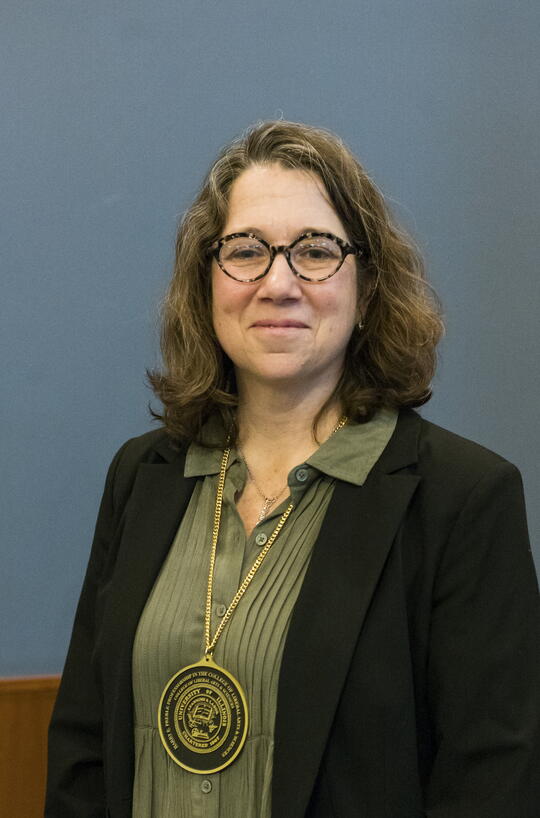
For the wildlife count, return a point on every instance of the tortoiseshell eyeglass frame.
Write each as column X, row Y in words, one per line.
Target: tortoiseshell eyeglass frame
column 274, row 249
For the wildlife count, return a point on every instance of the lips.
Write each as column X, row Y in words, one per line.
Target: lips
column 285, row 323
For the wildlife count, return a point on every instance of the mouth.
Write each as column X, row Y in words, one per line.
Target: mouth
column 282, row 324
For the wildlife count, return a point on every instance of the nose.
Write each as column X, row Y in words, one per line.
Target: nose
column 280, row 283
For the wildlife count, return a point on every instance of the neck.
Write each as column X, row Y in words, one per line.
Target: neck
column 275, row 435
column 269, row 415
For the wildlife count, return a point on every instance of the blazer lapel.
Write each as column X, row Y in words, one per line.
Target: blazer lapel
column 346, row 563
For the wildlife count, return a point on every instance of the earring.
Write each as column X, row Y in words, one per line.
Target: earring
column 360, row 323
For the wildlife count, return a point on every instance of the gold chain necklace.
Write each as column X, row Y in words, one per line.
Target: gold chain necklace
column 203, row 714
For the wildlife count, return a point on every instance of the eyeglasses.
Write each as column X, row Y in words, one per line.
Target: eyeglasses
column 312, row 256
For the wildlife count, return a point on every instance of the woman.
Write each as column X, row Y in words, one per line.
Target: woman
column 303, row 599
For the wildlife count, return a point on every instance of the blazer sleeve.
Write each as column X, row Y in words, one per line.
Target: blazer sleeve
column 75, row 785
column 484, row 660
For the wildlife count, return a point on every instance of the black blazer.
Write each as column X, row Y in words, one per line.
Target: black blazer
column 410, row 679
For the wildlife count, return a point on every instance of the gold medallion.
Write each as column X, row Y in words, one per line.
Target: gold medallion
column 203, row 717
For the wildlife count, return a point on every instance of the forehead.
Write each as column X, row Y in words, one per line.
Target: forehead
column 272, row 198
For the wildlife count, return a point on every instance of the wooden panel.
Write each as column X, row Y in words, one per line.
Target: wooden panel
column 25, row 712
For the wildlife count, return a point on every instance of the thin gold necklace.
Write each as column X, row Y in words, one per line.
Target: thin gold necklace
column 268, row 502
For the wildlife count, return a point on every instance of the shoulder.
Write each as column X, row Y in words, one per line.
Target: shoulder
column 428, row 448
column 454, row 471
column 148, row 447
column 447, row 464
column 468, row 500
column 439, row 448
column 151, row 447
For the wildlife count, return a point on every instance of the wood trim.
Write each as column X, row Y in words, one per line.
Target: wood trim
column 25, row 711
column 22, row 684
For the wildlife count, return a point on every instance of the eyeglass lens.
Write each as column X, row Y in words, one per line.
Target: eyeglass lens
column 314, row 257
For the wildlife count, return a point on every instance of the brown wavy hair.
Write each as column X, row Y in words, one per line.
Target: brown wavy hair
column 390, row 362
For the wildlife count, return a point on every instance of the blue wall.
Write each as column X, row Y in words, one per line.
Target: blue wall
column 112, row 112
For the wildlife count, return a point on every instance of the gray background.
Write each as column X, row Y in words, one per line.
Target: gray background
column 111, row 113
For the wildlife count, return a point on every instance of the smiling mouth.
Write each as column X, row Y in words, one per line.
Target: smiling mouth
column 279, row 325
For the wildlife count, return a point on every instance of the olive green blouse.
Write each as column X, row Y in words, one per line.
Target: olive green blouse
column 170, row 631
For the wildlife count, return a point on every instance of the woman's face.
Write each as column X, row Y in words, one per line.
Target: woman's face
column 281, row 329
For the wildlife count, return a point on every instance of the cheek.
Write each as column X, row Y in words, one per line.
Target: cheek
column 341, row 307
column 220, row 320
column 351, row 299
column 214, row 294
column 228, row 302
column 220, row 298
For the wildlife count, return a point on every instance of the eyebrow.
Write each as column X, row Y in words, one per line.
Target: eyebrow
column 259, row 232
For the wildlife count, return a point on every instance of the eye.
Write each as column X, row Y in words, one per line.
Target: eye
column 315, row 251
column 242, row 251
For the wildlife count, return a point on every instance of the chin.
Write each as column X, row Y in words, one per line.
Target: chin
column 292, row 375
column 281, row 371
column 279, row 376
column 272, row 372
